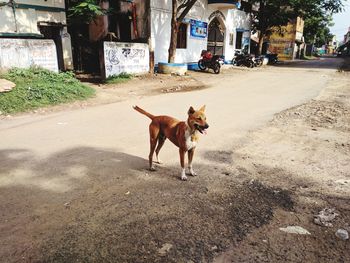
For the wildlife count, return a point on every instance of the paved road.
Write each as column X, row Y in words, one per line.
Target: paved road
column 78, row 156
column 237, row 101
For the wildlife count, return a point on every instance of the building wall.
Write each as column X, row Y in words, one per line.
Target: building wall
column 160, row 30
column 285, row 44
column 29, row 13
column 24, row 19
column 24, row 53
column 236, row 20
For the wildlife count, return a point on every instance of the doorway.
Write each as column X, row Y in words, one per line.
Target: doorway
column 216, row 37
column 54, row 32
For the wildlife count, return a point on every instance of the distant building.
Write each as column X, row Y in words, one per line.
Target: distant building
column 221, row 26
column 344, row 49
column 25, row 24
column 332, row 45
column 347, row 36
column 287, row 42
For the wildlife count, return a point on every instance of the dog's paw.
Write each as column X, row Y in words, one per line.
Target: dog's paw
column 192, row 173
column 152, row 169
column 183, row 177
column 158, row 161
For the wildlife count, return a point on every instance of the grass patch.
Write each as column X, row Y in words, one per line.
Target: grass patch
column 117, row 79
column 37, row 87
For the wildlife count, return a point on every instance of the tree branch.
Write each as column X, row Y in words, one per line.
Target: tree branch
column 183, row 5
column 189, row 5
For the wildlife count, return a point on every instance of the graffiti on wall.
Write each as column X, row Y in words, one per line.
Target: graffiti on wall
column 24, row 53
column 130, row 58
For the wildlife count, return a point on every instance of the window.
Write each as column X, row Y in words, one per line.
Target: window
column 231, row 39
column 239, row 40
column 182, row 36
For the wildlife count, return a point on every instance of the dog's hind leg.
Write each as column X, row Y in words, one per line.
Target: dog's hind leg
column 153, row 134
column 161, row 140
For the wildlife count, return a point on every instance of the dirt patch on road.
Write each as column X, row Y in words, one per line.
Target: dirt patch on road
column 304, row 150
column 191, row 222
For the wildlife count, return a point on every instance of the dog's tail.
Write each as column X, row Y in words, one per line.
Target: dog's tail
column 149, row 115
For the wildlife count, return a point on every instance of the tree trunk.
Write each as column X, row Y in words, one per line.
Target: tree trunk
column 173, row 33
column 262, row 26
column 261, row 42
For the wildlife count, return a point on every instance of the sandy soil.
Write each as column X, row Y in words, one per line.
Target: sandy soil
column 305, row 151
column 85, row 203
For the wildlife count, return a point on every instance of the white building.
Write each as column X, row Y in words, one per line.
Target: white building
column 26, row 27
column 217, row 25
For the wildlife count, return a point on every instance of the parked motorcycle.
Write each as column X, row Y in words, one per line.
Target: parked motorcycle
column 273, row 58
column 258, row 61
column 242, row 59
column 208, row 60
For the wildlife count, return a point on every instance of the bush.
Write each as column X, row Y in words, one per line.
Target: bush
column 37, row 87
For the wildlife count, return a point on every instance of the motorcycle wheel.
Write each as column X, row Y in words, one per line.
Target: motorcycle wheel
column 201, row 65
column 250, row 64
column 234, row 62
column 259, row 63
column 216, row 68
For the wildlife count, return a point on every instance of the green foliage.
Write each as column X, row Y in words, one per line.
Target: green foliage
column 123, row 77
column 316, row 13
column 271, row 13
column 85, row 11
column 36, row 87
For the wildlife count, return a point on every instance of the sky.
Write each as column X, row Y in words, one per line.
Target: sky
column 341, row 22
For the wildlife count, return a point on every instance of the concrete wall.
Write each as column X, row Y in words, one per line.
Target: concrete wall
column 23, row 53
column 160, row 30
column 121, row 57
column 24, row 20
column 236, row 20
column 29, row 13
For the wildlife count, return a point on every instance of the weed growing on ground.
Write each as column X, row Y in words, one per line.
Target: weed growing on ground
column 37, row 87
column 116, row 79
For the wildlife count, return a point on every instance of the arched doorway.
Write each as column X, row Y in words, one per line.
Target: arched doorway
column 216, row 37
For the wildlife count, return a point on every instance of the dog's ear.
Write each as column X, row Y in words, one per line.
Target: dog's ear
column 191, row 111
column 202, row 109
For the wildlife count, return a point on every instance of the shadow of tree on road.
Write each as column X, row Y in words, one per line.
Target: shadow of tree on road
column 65, row 170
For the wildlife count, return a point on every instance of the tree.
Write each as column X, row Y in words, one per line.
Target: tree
column 316, row 29
column 269, row 14
column 180, row 9
column 277, row 13
column 85, row 11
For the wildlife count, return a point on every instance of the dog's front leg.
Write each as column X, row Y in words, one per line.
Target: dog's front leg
column 190, row 158
column 182, row 161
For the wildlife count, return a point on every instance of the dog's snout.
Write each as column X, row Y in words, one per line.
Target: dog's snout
column 206, row 126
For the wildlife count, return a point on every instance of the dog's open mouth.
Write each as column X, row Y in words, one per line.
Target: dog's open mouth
column 201, row 129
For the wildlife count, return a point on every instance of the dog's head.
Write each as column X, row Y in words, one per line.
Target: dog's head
column 197, row 119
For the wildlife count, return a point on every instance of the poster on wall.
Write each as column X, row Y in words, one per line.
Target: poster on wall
column 198, row 29
column 125, row 58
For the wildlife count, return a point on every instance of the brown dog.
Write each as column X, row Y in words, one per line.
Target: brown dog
column 183, row 134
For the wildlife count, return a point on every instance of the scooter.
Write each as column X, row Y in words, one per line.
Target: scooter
column 273, row 58
column 208, row 60
column 241, row 59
